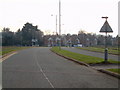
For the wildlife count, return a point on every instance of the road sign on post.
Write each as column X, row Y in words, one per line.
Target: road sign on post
column 106, row 29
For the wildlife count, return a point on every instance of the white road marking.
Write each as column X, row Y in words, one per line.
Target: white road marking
column 40, row 68
column 4, row 58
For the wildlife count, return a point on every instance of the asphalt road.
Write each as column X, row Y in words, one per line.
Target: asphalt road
column 90, row 53
column 40, row 68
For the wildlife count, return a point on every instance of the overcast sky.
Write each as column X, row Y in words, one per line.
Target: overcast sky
column 75, row 14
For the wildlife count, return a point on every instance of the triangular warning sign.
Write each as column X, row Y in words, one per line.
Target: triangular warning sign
column 106, row 27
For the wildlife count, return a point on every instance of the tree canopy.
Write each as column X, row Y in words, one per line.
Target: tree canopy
column 24, row 37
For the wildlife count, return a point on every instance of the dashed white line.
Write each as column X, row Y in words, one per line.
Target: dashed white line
column 40, row 68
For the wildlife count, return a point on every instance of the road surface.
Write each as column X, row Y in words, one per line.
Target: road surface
column 90, row 53
column 40, row 68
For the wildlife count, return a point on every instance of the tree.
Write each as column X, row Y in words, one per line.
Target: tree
column 7, row 37
column 18, row 38
column 82, row 36
column 81, row 32
column 30, row 33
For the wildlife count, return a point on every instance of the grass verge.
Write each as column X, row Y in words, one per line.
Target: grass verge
column 8, row 49
column 114, row 70
column 99, row 49
column 80, row 57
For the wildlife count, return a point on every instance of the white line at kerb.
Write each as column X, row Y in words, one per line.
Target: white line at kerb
column 4, row 58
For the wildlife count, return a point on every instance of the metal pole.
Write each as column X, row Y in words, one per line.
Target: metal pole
column 106, row 50
column 107, row 29
column 56, row 25
column 60, row 25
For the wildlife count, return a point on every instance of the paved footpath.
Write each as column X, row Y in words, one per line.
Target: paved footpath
column 40, row 68
column 90, row 53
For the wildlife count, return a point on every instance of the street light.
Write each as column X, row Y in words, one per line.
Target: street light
column 60, row 24
column 56, row 23
column 106, row 29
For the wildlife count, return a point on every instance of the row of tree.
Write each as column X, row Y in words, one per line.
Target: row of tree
column 30, row 35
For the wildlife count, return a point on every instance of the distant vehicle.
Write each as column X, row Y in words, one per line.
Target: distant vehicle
column 79, row 45
column 75, row 45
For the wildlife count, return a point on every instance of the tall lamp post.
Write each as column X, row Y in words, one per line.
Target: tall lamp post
column 106, row 29
column 60, row 24
column 56, row 26
column 56, row 23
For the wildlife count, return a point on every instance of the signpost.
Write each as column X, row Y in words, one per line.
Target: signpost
column 106, row 29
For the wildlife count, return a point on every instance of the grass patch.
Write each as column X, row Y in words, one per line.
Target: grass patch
column 84, row 58
column 111, row 50
column 8, row 49
column 114, row 70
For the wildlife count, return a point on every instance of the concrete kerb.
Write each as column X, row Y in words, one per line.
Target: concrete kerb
column 4, row 57
column 82, row 63
column 8, row 54
column 109, row 73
